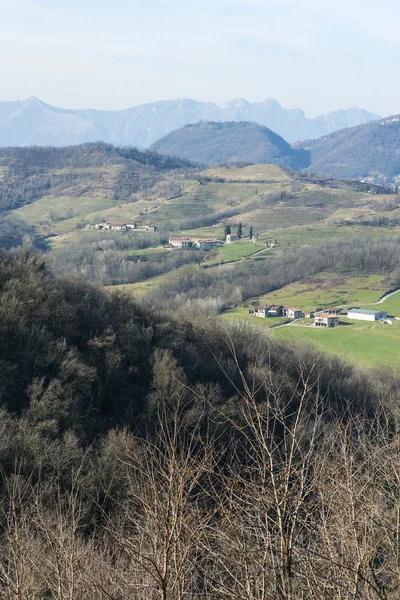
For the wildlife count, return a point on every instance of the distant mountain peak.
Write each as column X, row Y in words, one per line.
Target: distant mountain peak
column 33, row 100
column 271, row 103
column 237, row 103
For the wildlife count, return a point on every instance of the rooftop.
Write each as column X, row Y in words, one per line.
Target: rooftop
column 326, row 315
column 361, row 311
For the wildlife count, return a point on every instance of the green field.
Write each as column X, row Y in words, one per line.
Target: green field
column 270, row 173
column 360, row 342
column 49, row 208
column 391, row 305
column 236, row 251
column 328, row 289
column 151, row 252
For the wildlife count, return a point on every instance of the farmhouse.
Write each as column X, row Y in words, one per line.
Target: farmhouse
column 366, row 315
column 267, row 310
column 326, row 319
column 109, row 226
column 209, row 244
column 293, row 313
column 182, row 242
column 186, row 242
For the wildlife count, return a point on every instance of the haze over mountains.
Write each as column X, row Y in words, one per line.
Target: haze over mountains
column 33, row 122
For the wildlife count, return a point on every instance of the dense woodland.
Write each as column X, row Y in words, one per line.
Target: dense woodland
column 210, row 142
column 366, row 150
column 145, row 455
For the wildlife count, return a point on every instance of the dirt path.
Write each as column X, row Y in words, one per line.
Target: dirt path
column 287, row 324
column 252, row 255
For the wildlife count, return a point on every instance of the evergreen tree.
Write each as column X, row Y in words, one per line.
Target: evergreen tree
column 227, row 229
column 251, row 232
column 239, row 231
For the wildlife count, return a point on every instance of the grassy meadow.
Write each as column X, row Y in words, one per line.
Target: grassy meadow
column 328, row 289
column 361, row 342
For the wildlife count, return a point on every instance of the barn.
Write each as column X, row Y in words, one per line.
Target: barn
column 366, row 315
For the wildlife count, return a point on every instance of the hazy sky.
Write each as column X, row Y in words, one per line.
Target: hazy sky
column 318, row 55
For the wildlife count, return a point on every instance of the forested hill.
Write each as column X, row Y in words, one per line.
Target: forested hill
column 365, row 150
column 233, row 142
column 147, row 456
column 27, row 174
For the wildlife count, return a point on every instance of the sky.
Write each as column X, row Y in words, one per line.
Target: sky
column 317, row 55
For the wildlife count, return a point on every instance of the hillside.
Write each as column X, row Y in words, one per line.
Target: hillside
column 33, row 122
column 146, row 455
column 234, row 142
column 53, row 198
column 28, row 174
column 370, row 150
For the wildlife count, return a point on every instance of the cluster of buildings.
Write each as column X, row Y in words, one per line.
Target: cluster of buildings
column 195, row 243
column 110, row 226
column 202, row 244
column 328, row 317
column 277, row 310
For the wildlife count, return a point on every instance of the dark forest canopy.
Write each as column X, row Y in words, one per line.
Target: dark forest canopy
column 15, row 232
column 147, row 455
column 83, row 356
column 366, row 150
column 232, row 142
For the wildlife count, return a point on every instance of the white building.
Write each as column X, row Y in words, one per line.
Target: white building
column 366, row 315
column 231, row 237
column 293, row 313
column 182, row 242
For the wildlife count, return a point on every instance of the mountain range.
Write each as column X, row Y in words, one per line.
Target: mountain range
column 211, row 142
column 33, row 122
